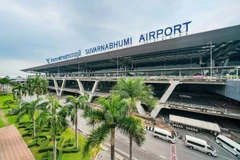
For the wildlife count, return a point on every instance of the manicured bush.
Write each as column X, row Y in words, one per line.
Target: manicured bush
column 47, row 156
column 45, row 130
column 37, row 141
column 21, row 126
column 59, row 143
column 46, row 142
column 41, row 136
column 32, row 144
column 69, row 142
column 29, row 133
column 72, row 150
column 45, row 149
column 59, row 157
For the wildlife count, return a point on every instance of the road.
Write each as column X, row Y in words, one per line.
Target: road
column 156, row 149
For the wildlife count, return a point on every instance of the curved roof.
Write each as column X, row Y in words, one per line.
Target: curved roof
column 194, row 41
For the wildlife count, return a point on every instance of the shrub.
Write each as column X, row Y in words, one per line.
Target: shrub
column 41, row 136
column 69, row 142
column 46, row 142
column 13, row 111
column 72, row 150
column 29, row 133
column 47, row 156
column 59, row 157
column 32, row 144
column 45, row 130
column 59, row 143
column 45, row 149
column 21, row 126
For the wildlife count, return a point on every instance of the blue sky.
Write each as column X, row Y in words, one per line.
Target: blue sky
column 33, row 30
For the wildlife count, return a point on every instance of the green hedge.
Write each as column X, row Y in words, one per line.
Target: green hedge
column 69, row 142
column 45, row 149
column 46, row 142
column 21, row 126
column 60, row 142
column 45, row 130
column 47, row 156
column 59, row 157
column 29, row 133
column 72, row 150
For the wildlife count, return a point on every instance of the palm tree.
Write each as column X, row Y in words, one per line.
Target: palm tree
column 29, row 108
column 133, row 90
column 18, row 92
column 110, row 117
column 5, row 81
column 55, row 120
column 75, row 104
column 37, row 85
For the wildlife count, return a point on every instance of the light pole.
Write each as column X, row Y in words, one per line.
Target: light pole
column 210, row 58
column 117, row 65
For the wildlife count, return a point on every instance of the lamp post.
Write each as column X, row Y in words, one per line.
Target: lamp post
column 210, row 43
column 117, row 65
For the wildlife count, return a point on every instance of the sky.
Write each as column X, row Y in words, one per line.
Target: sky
column 33, row 30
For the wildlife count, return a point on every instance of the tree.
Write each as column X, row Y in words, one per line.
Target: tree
column 55, row 120
column 133, row 90
column 29, row 108
column 110, row 117
column 37, row 85
column 75, row 104
column 18, row 92
column 8, row 103
column 5, row 81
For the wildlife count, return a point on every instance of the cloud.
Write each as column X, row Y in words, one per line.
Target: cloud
column 32, row 31
column 12, row 67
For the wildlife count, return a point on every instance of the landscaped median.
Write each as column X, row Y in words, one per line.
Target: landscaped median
column 42, row 146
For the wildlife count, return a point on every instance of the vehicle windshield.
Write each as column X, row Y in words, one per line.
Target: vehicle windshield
column 171, row 137
column 212, row 148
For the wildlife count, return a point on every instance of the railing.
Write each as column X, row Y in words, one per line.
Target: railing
column 204, row 108
column 151, row 78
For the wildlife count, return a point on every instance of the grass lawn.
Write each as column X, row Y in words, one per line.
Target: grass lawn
column 66, row 135
column 1, row 123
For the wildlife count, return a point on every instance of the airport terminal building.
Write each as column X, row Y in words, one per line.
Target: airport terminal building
column 178, row 66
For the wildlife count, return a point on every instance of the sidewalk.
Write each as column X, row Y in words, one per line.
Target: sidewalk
column 104, row 154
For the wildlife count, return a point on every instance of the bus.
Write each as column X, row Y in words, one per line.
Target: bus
column 229, row 145
column 164, row 134
column 200, row 145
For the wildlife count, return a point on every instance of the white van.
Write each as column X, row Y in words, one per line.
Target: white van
column 229, row 145
column 200, row 145
column 164, row 134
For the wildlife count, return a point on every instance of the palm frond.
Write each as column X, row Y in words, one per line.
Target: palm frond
column 134, row 127
column 96, row 137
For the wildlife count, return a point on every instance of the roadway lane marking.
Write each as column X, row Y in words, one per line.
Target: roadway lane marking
column 119, row 151
column 144, row 149
column 189, row 133
column 173, row 152
column 162, row 157
column 173, row 149
column 224, row 157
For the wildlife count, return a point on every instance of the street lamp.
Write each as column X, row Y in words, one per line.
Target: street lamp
column 210, row 58
column 117, row 64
